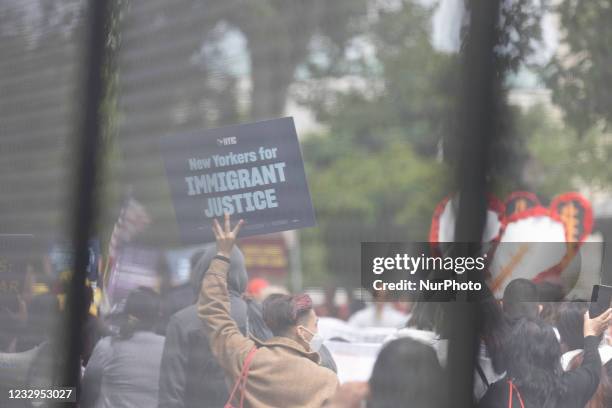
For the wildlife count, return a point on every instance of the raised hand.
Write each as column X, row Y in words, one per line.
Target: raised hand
column 597, row 325
column 226, row 236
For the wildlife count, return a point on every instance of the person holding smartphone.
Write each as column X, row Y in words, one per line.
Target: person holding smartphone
column 534, row 375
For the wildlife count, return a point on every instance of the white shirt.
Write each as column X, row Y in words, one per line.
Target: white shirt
column 388, row 317
column 605, row 353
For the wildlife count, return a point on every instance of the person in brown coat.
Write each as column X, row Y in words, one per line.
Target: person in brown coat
column 284, row 370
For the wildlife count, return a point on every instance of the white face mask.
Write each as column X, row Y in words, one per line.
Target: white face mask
column 316, row 340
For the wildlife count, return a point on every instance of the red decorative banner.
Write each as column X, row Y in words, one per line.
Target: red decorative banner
column 520, row 201
column 443, row 221
column 576, row 213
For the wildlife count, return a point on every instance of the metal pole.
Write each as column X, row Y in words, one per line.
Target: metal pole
column 87, row 138
column 477, row 107
column 295, row 261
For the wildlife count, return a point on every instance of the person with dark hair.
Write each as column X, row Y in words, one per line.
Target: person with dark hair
column 521, row 299
column 43, row 316
column 406, row 373
column 177, row 298
column 534, row 376
column 284, row 371
column 426, row 324
column 282, row 311
column 569, row 325
column 493, row 331
column 426, row 316
column 550, row 295
column 123, row 370
column 276, row 315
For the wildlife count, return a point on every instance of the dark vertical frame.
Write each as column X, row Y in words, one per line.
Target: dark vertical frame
column 476, row 129
column 84, row 211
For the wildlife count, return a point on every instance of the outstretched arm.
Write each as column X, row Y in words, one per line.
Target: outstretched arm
column 582, row 382
column 227, row 343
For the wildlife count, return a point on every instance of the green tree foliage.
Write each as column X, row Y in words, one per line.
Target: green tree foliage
column 384, row 195
column 376, row 173
column 404, row 85
column 380, row 183
column 518, row 36
column 386, row 156
column 561, row 161
column 580, row 73
column 279, row 35
column 519, row 31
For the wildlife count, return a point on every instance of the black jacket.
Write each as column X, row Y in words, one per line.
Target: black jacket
column 190, row 375
column 580, row 383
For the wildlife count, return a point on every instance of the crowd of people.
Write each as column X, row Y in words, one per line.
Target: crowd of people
column 267, row 350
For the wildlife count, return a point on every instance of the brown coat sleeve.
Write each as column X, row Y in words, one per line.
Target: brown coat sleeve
column 227, row 343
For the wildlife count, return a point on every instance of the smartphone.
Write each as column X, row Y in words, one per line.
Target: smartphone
column 601, row 300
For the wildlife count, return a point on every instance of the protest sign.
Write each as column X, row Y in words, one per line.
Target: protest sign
column 335, row 329
column 253, row 171
column 355, row 361
column 61, row 256
column 135, row 267
column 266, row 256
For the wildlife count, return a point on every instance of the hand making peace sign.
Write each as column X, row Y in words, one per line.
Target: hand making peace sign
column 226, row 237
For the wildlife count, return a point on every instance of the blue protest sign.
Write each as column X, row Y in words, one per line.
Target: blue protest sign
column 253, row 171
column 61, row 256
